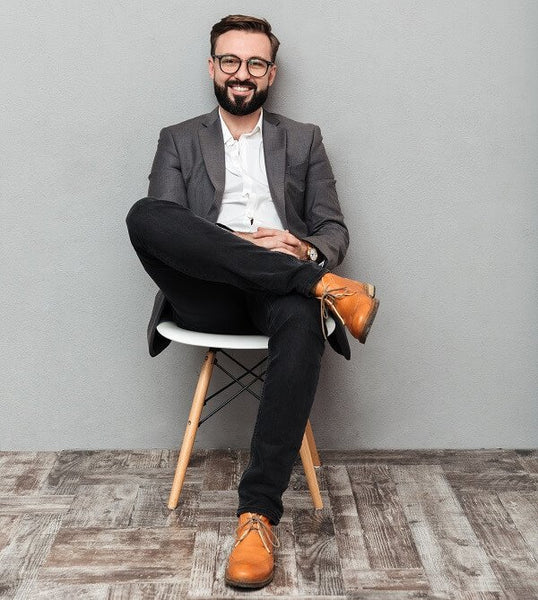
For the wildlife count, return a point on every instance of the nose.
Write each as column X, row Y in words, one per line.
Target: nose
column 243, row 73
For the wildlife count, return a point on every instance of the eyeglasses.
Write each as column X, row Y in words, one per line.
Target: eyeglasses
column 229, row 63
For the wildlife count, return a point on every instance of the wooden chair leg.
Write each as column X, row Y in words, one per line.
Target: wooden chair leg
column 310, row 472
column 312, row 445
column 191, row 428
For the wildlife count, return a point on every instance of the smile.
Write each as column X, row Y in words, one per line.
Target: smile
column 241, row 87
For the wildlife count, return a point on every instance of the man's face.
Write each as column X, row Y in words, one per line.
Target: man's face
column 240, row 93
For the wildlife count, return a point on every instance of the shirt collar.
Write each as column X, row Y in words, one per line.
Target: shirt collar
column 228, row 137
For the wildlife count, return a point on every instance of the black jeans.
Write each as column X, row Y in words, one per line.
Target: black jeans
column 220, row 283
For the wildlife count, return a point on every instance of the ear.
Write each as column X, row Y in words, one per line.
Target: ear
column 211, row 67
column 272, row 75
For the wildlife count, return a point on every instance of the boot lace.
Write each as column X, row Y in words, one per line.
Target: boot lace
column 267, row 536
column 327, row 300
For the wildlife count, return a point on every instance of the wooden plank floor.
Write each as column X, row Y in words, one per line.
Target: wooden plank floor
column 430, row 525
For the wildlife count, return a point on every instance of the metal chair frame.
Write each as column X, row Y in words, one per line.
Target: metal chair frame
column 236, row 380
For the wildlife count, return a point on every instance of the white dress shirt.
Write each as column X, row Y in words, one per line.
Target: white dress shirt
column 247, row 203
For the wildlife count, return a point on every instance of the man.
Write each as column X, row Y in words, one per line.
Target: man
column 240, row 230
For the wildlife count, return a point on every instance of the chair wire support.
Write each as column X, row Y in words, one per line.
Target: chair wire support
column 234, row 380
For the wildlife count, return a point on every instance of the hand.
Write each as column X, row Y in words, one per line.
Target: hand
column 277, row 240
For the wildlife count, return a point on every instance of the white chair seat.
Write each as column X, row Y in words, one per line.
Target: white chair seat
column 171, row 331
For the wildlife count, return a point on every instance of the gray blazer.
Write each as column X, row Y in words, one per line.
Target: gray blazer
column 189, row 168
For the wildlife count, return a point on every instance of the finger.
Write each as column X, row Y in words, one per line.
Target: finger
column 274, row 243
column 270, row 243
column 266, row 232
column 285, row 236
column 293, row 241
column 295, row 250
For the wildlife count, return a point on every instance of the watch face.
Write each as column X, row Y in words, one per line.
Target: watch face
column 312, row 254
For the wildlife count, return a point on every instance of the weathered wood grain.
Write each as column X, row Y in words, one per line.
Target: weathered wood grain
column 388, row 579
column 169, row 457
column 286, row 576
column 72, row 465
column 27, row 548
column 397, row 525
column 94, row 555
column 386, row 532
column 217, row 505
column 510, row 557
column 298, row 478
column 350, row 542
column 299, row 499
column 462, row 459
column 204, row 564
column 263, row 593
column 101, row 506
column 221, row 470
column 54, row 590
column 491, row 480
column 151, row 507
column 225, row 542
column 528, row 460
column 148, row 591
column 133, row 476
column 399, row 595
column 318, row 564
column 23, row 473
column 480, row 595
column 155, row 458
column 523, row 510
column 8, row 526
column 448, row 546
column 17, row 505
column 68, row 468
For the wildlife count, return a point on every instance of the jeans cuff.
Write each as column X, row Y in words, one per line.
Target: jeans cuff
column 273, row 517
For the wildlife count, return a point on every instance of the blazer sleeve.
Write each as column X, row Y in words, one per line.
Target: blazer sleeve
column 323, row 216
column 166, row 179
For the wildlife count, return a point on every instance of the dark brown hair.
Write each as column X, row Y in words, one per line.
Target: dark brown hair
column 244, row 23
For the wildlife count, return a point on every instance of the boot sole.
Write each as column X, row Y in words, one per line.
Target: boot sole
column 369, row 321
column 251, row 585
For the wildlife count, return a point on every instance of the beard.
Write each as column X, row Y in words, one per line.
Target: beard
column 239, row 106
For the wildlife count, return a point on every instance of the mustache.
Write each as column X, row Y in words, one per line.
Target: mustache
column 247, row 84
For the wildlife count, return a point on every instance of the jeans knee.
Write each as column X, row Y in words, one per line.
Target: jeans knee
column 137, row 215
column 300, row 316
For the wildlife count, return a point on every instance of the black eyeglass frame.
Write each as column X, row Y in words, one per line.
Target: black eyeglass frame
column 219, row 57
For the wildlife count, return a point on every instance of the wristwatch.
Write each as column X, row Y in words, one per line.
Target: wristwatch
column 311, row 253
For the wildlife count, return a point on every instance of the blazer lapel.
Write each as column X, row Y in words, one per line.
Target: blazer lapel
column 212, row 145
column 274, row 147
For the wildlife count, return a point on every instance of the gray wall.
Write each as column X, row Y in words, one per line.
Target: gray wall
column 429, row 113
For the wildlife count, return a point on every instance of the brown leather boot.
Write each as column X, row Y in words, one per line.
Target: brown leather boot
column 251, row 563
column 351, row 301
